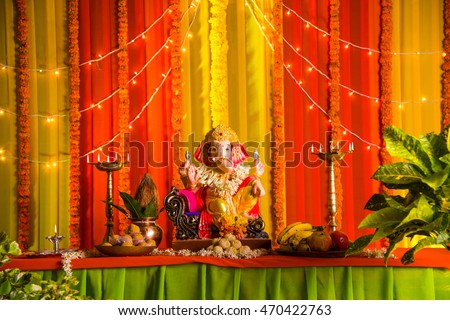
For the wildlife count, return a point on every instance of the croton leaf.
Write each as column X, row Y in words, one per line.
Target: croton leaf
column 439, row 224
column 398, row 173
column 404, row 146
column 382, row 217
column 437, row 179
column 434, row 145
column 376, row 202
column 384, row 231
column 441, row 239
column 359, row 244
column 422, row 212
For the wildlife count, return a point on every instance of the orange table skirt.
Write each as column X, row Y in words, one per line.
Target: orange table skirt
column 430, row 257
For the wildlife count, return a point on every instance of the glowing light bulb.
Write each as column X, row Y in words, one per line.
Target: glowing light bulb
column 310, row 69
column 99, row 106
column 134, row 81
column 300, row 82
column 130, row 127
column 143, row 36
column 345, row 132
column 190, row 35
column 444, row 54
column 307, row 25
column 311, row 107
column 3, row 68
column 346, row 46
column 424, row 99
column 183, row 49
column 1, row 112
column 400, row 106
column 2, row 158
column 56, row 72
column 350, row 93
column 47, row 165
column 2, row 151
column 288, row 13
column 54, row 164
column 288, row 66
column 370, row 53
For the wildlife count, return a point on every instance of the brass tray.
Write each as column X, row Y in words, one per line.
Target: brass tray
column 312, row 254
column 125, row 251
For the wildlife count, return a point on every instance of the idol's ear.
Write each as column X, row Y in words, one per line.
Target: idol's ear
column 198, row 155
column 238, row 153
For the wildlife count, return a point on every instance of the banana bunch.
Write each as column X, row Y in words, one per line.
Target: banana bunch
column 295, row 235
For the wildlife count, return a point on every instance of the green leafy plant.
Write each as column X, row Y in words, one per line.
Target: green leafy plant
column 145, row 202
column 424, row 210
column 23, row 285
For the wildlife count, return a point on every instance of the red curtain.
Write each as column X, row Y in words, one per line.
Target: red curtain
column 149, row 134
column 307, row 49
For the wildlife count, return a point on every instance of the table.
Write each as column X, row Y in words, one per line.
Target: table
column 266, row 277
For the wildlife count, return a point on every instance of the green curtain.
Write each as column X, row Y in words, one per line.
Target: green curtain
column 202, row 281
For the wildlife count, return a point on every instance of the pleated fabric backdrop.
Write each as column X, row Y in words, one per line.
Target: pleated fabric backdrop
column 182, row 77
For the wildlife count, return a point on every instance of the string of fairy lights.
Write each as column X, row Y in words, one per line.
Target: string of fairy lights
column 347, row 44
column 51, row 118
column 252, row 6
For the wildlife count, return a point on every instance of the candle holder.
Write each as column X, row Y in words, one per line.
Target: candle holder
column 109, row 167
column 55, row 240
column 335, row 153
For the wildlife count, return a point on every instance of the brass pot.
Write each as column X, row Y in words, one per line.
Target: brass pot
column 149, row 229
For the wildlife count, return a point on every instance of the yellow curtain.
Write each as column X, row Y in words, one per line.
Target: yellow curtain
column 249, row 64
column 8, row 121
column 49, row 121
column 417, row 46
column 416, row 66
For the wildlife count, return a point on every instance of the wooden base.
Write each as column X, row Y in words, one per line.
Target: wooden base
column 198, row 244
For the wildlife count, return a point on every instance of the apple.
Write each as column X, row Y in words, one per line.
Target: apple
column 320, row 241
column 340, row 240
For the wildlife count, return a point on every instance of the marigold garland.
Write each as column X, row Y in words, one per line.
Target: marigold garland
column 278, row 172
column 124, row 101
column 23, row 76
column 74, row 119
column 334, row 96
column 445, row 104
column 386, row 74
column 219, row 75
column 177, row 94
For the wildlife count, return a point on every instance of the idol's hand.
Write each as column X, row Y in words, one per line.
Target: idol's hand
column 258, row 189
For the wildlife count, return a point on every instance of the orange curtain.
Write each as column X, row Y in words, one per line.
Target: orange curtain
column 306, row 29
column 148, row 135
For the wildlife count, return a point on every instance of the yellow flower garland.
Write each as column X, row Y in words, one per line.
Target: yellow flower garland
column 219, row 75
column 74, row 118
column 445, row 104
column 334, row 68
column 177, row 95
column 386, row 74
column 124, row 101
column 278, row 172
column 23, row 187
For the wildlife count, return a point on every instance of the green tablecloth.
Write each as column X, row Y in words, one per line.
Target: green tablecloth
column 204, row 281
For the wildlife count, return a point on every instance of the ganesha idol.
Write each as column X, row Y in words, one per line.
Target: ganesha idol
column 222, row 194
